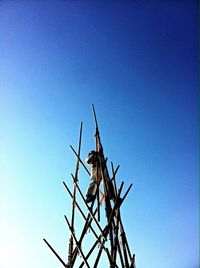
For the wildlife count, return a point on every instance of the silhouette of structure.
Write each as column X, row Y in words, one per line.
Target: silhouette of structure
column 108, row 242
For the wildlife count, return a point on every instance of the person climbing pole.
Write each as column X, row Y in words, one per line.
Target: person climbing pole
column 93, row 160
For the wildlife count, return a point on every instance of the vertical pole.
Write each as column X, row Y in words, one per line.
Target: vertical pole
column 106, row 180
column 97, row 150
column 71, row 243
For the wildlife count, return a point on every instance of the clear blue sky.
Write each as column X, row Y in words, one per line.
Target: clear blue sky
column 137, row 62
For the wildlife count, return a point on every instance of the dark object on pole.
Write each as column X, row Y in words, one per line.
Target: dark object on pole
column 108, row 234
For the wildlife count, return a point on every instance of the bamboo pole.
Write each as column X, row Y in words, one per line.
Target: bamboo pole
column 70, row 250
column 84, row 166
column 86, row 226
column 56, row 254
column 80, row 210
column 107, row 228
column 88, row 208
column 77, row 244
column 91, row 228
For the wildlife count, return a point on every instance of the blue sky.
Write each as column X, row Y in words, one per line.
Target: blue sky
column 137, row 62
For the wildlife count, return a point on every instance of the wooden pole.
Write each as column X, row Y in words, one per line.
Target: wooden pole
column 70, row 250
column 77, row 244
column 86, row 226
column 80, row 210
column 84, row 166
column 88, row 208
column 107, row 228
column 56, row 254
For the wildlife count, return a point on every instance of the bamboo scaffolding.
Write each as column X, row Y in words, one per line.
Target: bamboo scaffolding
column 116, row 248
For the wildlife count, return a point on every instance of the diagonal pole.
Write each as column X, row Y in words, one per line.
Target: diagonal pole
column 125, row 239
column 86, row 226
column 114, row 172
column 80, row 210
column 107, row 228
column 133, row 262
column 84, row 166
column 88, row 208
column 123, row 234
column 116, row 229
column 56, row 254
column 106, row 231
column 127, row 191
column 77, row 244
column 94, row 246
column 124, row 247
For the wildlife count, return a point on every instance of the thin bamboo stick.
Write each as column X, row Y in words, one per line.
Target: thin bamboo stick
column 56, row 254
column 77, row 244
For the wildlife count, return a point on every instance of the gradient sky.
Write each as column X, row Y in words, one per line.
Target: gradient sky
column 137, row 62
